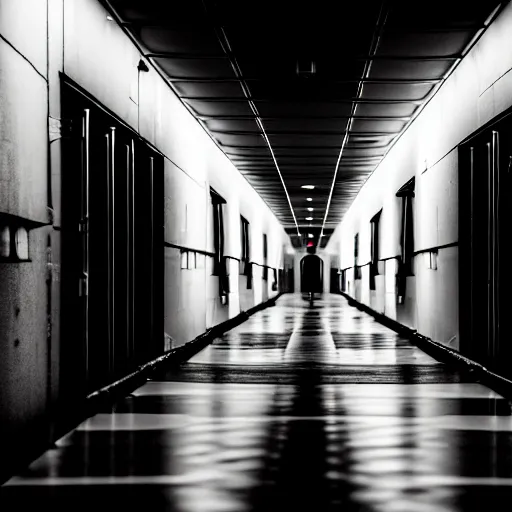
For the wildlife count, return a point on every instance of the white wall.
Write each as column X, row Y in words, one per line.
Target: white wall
column 478, row 90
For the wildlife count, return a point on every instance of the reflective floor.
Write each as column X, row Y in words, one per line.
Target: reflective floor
column 300, row 408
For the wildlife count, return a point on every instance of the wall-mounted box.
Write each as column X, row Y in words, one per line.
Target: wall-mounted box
column 432, row 260
column 191, row 260
column 15, row 238
column 184, row 260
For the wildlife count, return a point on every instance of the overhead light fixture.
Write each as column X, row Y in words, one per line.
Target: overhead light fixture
column 310, row 187
column 309, row 199
column 309, row 218
column 310, row 209
column 310, row 235
column 109, row 18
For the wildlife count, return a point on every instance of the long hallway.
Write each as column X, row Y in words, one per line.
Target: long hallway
column 300, row 408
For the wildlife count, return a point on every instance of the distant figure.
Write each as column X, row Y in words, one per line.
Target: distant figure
column 311, row 274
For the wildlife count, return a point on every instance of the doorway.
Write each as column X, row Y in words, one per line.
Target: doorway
column 485, row 276
column 335, row 280
column 112, row 247
column 312, row 274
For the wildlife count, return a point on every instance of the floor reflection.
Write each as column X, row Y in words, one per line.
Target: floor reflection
column 302, row 407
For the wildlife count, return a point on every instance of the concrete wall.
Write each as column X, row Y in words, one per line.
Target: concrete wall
column 24, row 347
column 39, row 40
column 478, row 90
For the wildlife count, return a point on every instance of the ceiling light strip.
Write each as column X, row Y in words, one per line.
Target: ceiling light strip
column 262, row 128
column 226, row 47
column 381, row 20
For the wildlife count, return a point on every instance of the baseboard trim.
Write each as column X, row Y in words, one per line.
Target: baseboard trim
column 438, row 351
column 122, row 387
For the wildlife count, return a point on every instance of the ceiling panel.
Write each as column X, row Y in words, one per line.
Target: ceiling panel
column 395, row 91
column 305, row 125
column 209, row 89
column 394, row 109
column 376, row 125
column 439, row 14
column 410, row 69
column 156, row 11
column 237, row 125
column 220, row 108
column 312, row 107
column 237, row 140
column 193, row 42
column 422, row 44
column 351, row 151
column 300, row 90
column 195, row 68
column 305, row 140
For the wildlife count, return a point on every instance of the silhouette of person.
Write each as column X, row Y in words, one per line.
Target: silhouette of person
column 311, row 273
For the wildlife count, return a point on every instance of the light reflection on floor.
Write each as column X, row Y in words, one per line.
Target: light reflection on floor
column 300, row 409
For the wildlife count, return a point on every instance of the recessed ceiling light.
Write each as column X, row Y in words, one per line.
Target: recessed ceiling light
column 310, row 235
column 310, row 209
column 311, row 187
column 309, row 199
column 309, row 218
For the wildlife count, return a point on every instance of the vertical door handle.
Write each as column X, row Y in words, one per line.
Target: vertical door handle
column 152, row 247
column 84, row 239
column 496, row 241
column 110, row 141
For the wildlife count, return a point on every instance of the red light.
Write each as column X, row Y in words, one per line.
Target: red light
column 309, row 244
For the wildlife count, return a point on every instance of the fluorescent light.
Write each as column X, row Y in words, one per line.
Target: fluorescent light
column 310, row 209
column 310, row 187
column 309, row 199
column 309, row 218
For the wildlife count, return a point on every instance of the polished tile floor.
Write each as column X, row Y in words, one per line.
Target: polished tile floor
column 302, row 407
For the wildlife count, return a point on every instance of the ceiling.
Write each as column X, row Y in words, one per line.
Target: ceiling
column 244, row 70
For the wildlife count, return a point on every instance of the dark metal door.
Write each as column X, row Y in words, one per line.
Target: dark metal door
column 484, row 223
column 112, row 248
